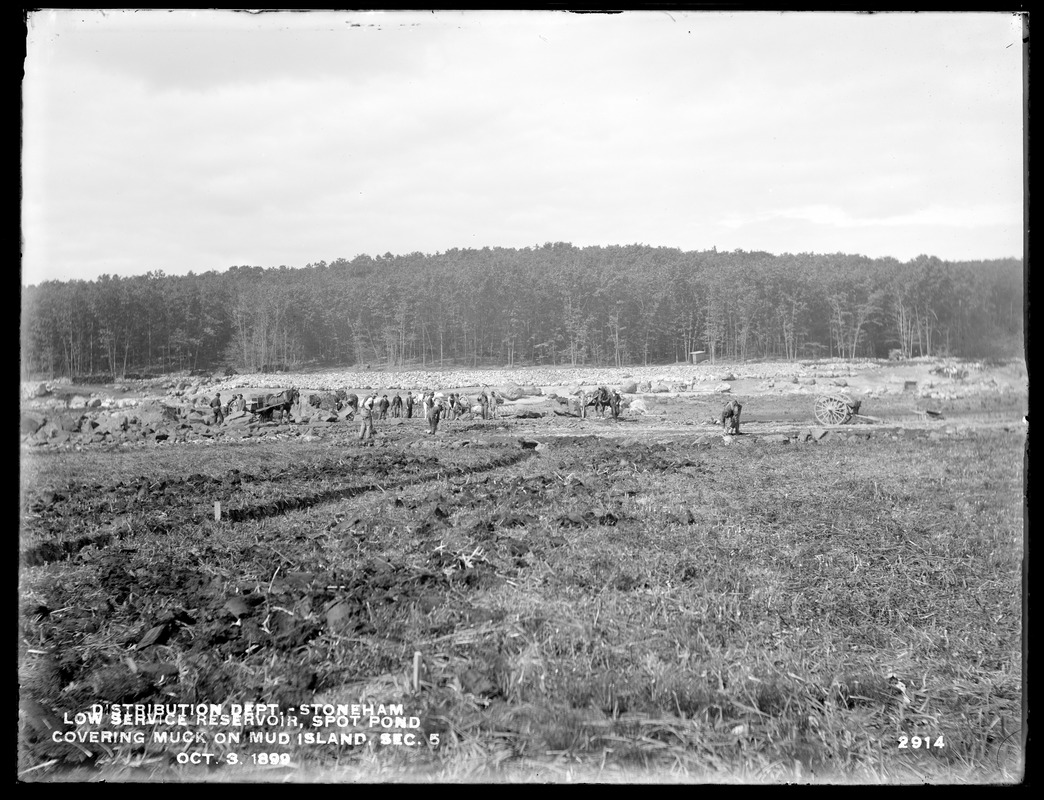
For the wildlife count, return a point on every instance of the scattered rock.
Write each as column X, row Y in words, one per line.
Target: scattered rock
column 31, row 423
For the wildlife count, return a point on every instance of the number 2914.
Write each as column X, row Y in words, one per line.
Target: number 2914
column 920, row 742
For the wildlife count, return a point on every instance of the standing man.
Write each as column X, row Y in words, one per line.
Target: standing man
column 434, row 412
column 383, row 406
column 730, row 418
column 484, row 402
column 366, row 413
column 396, row 407
column 494, row 401
column 409, row 405
column 215, row 405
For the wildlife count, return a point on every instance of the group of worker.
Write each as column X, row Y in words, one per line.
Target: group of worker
column 221, row 410
column 434, row 406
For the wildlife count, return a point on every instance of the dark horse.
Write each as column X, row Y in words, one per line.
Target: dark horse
column 281, row 402
column 602, row 398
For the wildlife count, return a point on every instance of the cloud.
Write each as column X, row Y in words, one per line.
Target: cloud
column 182, row 140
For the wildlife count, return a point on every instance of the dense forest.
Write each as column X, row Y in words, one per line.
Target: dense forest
column 550, row 304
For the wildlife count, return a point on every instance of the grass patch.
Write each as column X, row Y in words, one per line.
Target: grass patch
column 593, row 611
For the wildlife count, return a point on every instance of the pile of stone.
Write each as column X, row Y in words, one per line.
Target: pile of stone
column 88, row 423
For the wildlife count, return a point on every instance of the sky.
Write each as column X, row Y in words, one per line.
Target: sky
column 200, row 140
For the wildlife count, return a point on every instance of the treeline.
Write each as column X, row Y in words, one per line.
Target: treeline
column 555, row 305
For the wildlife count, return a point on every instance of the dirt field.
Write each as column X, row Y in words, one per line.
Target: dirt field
column 538, row 598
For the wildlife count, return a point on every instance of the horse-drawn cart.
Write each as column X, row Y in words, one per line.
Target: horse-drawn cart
column 262, row 405
column 838, row 408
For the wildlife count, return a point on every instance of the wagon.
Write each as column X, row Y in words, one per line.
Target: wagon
column 837, row 409
column 261, row 410
column 262, row 405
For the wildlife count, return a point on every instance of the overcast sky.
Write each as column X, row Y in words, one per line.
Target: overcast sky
column 200, row 140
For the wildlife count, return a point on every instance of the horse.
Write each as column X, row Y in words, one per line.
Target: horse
column 602, row 398
column 282, row 402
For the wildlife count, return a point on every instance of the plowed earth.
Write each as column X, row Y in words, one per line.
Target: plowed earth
column 332, row 563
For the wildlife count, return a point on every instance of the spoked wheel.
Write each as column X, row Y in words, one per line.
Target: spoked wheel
column 832, row 411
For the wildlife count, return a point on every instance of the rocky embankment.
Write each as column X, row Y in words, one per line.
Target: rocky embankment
column 678, row 377
column 177, row 409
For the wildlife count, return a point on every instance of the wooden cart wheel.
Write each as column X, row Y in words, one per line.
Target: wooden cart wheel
column 842, row 411
column 832, row 411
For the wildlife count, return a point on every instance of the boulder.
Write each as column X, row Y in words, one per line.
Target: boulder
column 723, row 388
column 70, row 423
column 156, row 414
column 628, row 387
column 31, row 423
column 639, row 406
column 116, row 422
column 659, row 386
column 78, row 401
column 42, row 390
column 510, row 391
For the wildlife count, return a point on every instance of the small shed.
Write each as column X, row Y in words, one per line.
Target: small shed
column 696, row 356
